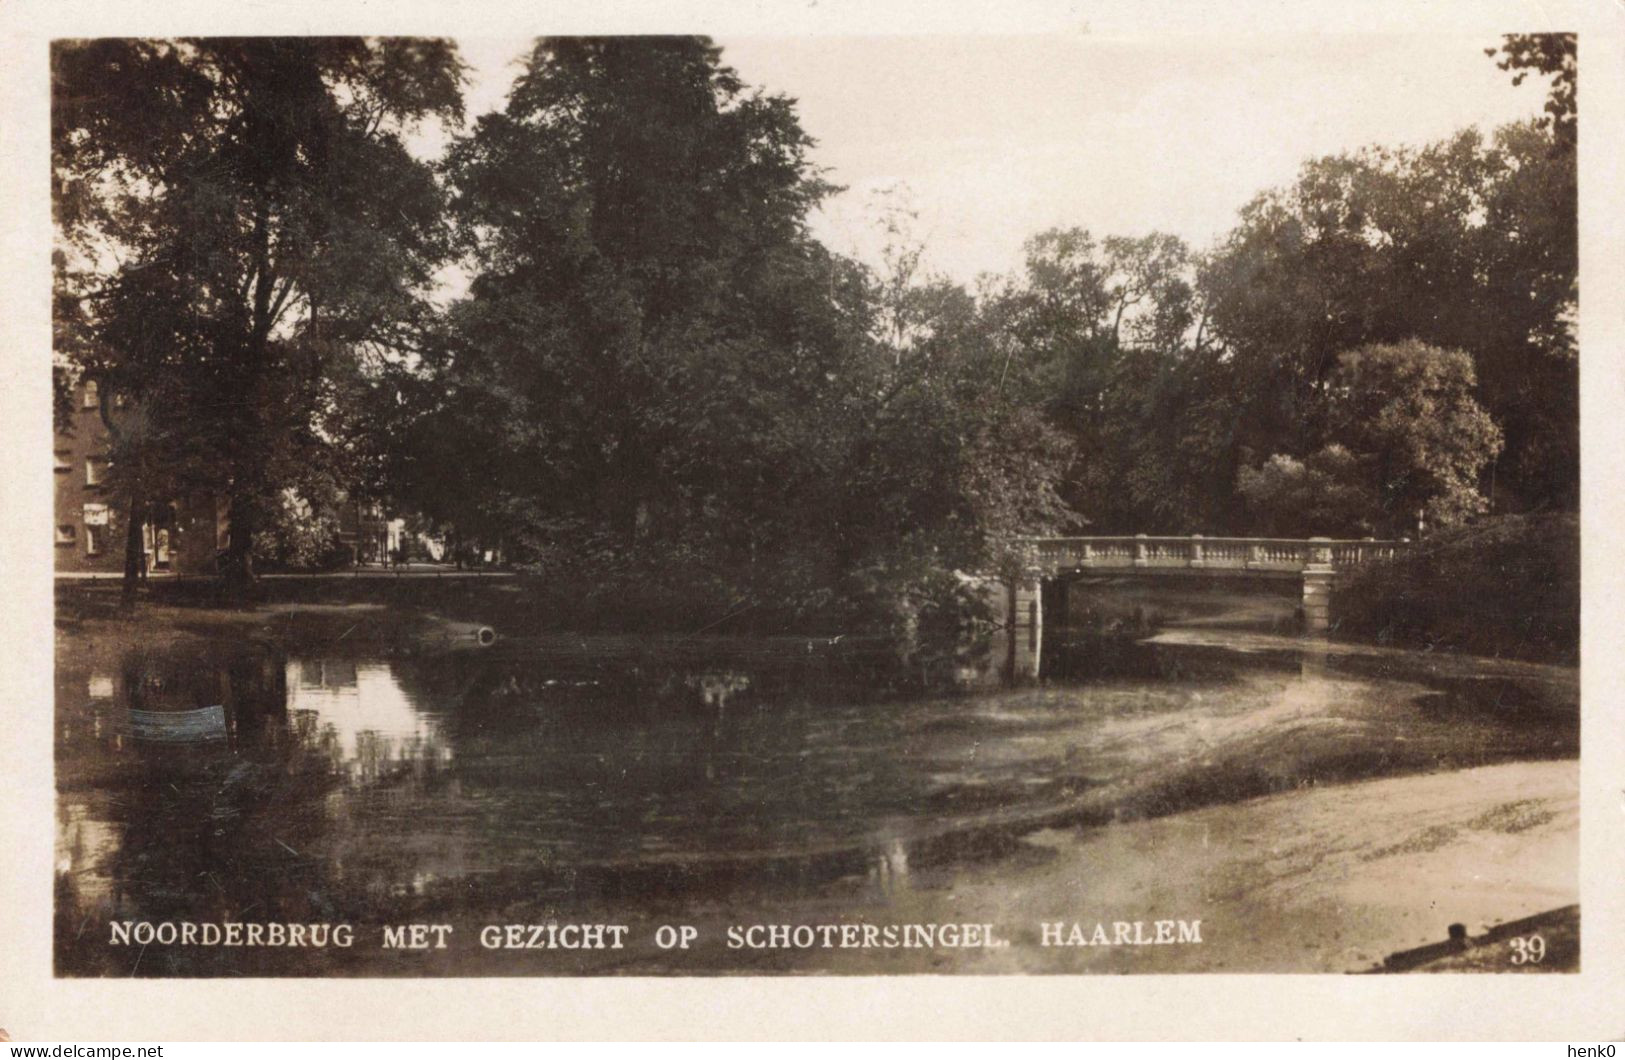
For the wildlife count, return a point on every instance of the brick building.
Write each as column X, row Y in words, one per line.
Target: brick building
column 182, row 537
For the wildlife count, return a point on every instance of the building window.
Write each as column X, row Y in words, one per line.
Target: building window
column 63, row 460
column 95, row 540
column 95, row 470
column 66, row 534
column 92, row 394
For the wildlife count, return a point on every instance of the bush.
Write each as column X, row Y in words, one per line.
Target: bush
column 1507, row 586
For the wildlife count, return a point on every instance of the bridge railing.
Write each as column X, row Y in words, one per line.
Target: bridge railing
column 1197, row 552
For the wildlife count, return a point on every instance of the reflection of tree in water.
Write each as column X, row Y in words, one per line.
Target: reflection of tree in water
column 368, row 790
column 597, row 763
column 198, row 831
column 305, row 729
column 356, row 713
column 277, row 823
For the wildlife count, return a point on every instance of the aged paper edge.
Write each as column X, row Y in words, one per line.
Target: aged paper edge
column 35, row 1006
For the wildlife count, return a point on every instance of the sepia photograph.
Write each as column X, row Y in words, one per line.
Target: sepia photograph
column 811, row 521
column 683, row 506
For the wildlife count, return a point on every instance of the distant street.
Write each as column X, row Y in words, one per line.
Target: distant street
column 411, row 570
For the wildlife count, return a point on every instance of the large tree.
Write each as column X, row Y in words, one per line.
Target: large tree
column 1553, row 55
column 657, row 368
column 1467, row 244
column 650, row 330
column 1104, row 336
column 1406, row 444
column 644, row 283
column 248, row 232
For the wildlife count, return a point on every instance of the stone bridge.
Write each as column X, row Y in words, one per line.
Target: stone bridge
column 1314, row 562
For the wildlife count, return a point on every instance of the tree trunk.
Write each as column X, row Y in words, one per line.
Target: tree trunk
column 250, row 456
column 239, row 565
column 134, row 552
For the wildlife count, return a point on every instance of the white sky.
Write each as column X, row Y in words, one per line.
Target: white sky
column 998, row 137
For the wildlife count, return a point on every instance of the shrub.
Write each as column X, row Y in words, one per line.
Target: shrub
column 1506, row 586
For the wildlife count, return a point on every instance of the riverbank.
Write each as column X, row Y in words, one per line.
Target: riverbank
column 1507, row 586
column 1332, row 879
column 697, row 778
column 402, row 613
column 665, row 601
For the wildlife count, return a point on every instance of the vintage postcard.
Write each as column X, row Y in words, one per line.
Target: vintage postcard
column 1042, row 514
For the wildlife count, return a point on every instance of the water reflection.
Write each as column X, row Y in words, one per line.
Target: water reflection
column 359, row 711
column 331, row 786
column 888, row 870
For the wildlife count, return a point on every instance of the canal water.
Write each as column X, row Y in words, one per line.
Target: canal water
column 221, row 780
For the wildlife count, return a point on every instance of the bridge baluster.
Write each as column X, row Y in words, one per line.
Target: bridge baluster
column 1198, row 551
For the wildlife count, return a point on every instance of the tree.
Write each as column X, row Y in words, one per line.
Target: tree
column 1323, row 493
column 1554, row 55
column 1102, row 335
column 659, row 371
column 1168, row 445
column 650, row 326
column 1468, row 244
column 251, row 223
column 1408, row 443
column 1409, row 410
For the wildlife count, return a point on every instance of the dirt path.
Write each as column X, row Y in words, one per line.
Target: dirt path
column 1329, row 879
column 1324, row 880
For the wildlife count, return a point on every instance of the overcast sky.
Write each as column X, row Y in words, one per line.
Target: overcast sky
column 997, row 138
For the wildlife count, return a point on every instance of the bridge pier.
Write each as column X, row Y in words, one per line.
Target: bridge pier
column 1026, row 626
column 1019, row 637
column 1317, row 601
column 1317, row 587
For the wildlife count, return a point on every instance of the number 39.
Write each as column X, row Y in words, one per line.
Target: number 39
column 1531, row 950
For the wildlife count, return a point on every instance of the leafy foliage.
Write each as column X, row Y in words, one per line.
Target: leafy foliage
column 1410, row 445
column 1321, row 494
column 1467, row 244
column 659, row 378
column 657, row 366
column 1507, row 586
column 252, row 233
column 1555, row 55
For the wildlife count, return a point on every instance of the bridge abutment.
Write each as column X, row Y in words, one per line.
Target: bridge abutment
column 1026, row 627
column 1317, row 601
column 1317, row 586
column 1013, row 652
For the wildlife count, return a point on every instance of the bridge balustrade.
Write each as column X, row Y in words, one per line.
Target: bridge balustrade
column 1316, row 562
column 1197, row 552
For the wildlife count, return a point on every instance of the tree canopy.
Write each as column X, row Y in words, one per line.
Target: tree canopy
column 656, row 367
column 250, row 240
column 654, row 354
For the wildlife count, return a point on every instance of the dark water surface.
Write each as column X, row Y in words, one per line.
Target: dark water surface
column 236, row 781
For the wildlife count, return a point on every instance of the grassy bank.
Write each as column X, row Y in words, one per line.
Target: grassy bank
column 520, row 603
column 652, row 602
column 1508, row 586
